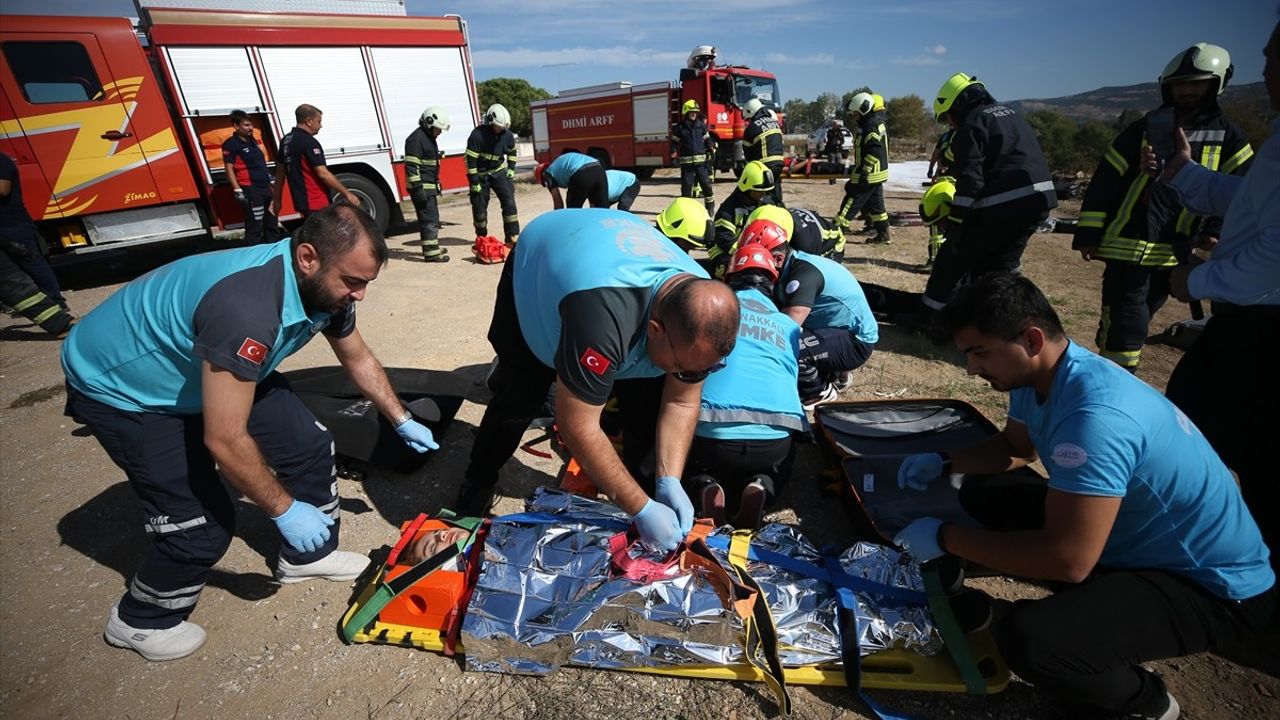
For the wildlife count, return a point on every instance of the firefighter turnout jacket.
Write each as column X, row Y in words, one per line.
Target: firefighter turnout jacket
column 762, row 140
column 489, row 153
column 730, row 220
column 1113, row 215
column 691, row 142
column 422, row 162
column 872, row 148
column 997, row 161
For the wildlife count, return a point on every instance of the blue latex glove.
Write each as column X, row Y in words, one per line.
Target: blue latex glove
column 672, row 494
column 917, row 471
column 658, row 527
column 303, row 526
column 417, row 436
column 920, row 539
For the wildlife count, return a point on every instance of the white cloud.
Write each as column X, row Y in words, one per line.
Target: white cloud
column 917, row 60
column 784, row 59
column 937, row 50
column 617, row 56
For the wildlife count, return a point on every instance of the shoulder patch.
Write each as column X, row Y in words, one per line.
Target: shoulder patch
column 253, row 351
column 792, row 286
column 1067, row 455
column 595, row 362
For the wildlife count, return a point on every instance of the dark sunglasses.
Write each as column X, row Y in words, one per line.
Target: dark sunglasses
column 697, row 376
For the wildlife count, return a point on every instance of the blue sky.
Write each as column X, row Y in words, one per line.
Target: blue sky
column 1019, row 48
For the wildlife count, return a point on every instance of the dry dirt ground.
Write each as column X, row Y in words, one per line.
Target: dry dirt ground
column 70, row 530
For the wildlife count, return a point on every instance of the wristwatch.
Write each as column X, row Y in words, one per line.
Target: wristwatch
column 406, row 417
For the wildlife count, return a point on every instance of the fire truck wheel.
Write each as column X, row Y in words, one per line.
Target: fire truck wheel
column 372, row 199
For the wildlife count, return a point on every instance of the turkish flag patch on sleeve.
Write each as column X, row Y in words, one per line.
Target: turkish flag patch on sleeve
column 595, row 362
column 253, row 351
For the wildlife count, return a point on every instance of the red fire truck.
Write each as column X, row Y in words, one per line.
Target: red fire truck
column 116, row 129
column 629, row 126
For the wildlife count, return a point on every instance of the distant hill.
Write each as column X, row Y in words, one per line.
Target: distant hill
column 1106, row 104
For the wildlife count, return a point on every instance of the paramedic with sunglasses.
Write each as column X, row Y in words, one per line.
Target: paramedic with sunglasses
column 599, row 303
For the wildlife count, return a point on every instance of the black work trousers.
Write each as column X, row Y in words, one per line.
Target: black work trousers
column 735, row 463
column 260, row 224
column 776, row 169
column 187, row 510
column 692, row 174
column 826, row 353
column 1228, row 385
column 1084, row 645
column 1131, row 296
column 520, row 384
column 628, row 196
column 501, row 186
column 588, row 184
column 993, row 241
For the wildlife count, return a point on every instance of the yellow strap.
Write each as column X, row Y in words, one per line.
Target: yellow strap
column 739, row 545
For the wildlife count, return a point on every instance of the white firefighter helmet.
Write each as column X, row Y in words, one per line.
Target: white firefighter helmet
column 434, row 117
column 497, row 115
column 701, row 57
column 752, row 107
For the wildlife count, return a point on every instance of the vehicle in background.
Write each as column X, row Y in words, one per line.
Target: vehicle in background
column 117, row 130
column 628, row 126
column 816, row 142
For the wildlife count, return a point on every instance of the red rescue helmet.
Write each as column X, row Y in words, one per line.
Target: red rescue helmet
column 538, row 170
column 753, row 256
column 763, row 232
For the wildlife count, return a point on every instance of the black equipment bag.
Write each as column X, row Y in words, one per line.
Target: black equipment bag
column 867, row 441
column 359, row 430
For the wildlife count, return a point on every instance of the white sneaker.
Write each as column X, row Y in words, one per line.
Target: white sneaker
column 827, row 395
column 843, row 381
column 172, row 643
column 338, row 566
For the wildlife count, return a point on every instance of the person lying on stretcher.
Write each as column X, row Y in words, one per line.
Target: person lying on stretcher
column 430, row 544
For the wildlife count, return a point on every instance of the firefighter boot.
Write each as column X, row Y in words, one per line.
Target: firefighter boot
column 432, row 252
column 882, row 234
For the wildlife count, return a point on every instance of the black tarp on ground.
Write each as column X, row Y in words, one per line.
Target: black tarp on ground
column 359, row 430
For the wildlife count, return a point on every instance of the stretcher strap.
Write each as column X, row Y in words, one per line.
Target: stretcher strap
column 851, row 642
column 387, row 591
column 761, row 636
column 832, row 574
column 952, row 636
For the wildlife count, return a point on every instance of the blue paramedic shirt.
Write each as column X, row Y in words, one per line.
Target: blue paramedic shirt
column 619, row 181
column 834, row 296
column 584, row 281
column 1102, row 431
column 754, row 397
column 563, row 168
column 142, row 349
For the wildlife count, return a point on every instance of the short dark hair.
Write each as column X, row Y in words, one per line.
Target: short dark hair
column 1000, row 305
column 337, row 229
column 238, row 116
column 305, row 112
column 687, row 310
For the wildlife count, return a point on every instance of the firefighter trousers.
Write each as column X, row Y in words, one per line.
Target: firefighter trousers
column 426, row 205
column 31, row 258
column 859, row 197
column 776, row 169
column 692, row 174
column 506, row 192
column 260, row 225
column 18, row 290
column 993, row 241
column 188, row 513
column 1131, row 296
column 520, row 384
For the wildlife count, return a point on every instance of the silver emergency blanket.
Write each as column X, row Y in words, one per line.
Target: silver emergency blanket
column 547, row 596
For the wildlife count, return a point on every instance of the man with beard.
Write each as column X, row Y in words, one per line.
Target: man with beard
column 175, row 376
column 1140, row 525
column 1138, row 228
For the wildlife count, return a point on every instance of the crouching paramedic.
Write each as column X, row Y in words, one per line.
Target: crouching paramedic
column 1140, row 522
column 582, row 177
column 422, row 175
column 599, row 303
column 491, row 165
column 175, row 376
column 828, row 303
column 742, row 449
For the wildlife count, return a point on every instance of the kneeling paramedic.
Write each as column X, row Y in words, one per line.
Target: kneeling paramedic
column 582, row 177
column 1140, row 523
column 742, row 449
column 175, row 376
column 599, row 303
